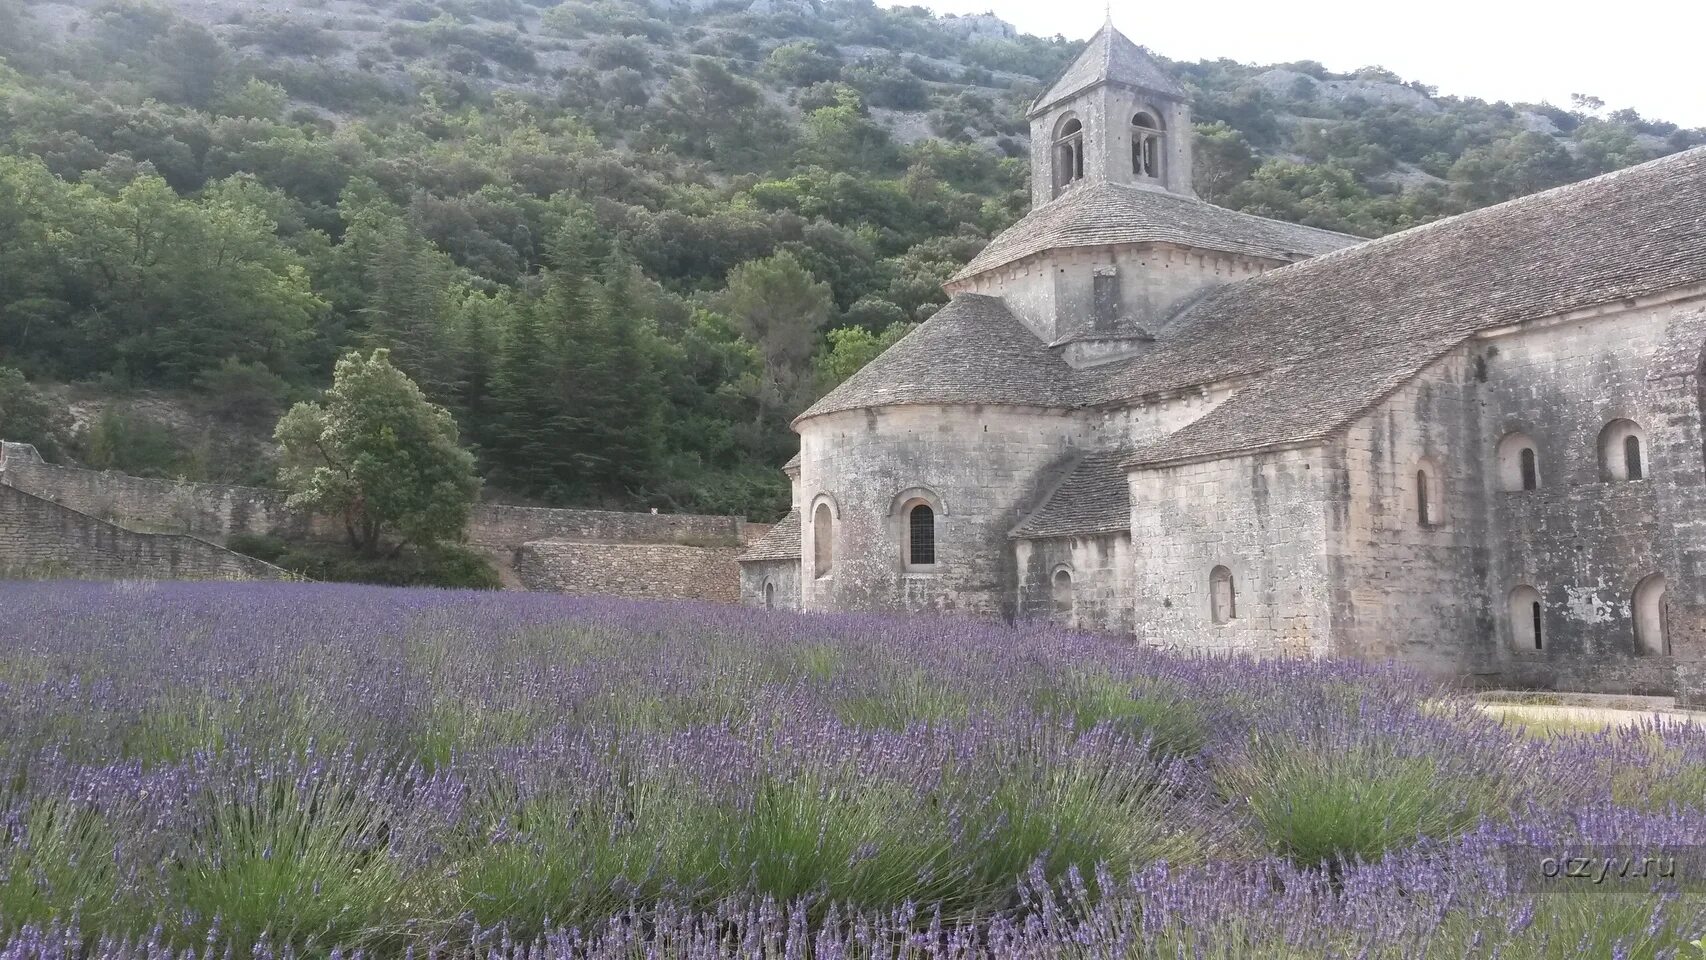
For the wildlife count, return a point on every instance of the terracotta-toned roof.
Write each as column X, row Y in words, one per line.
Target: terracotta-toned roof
column 781, row 543
column 1099, row 213
column 1110, row 57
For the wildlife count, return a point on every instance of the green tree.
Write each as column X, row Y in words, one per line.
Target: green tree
column 850, row 348
column 777, row 305
column 1221, row 159
column 380, row 457
column 28, row 417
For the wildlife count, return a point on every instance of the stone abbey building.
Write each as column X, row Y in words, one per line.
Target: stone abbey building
column 1475, row 446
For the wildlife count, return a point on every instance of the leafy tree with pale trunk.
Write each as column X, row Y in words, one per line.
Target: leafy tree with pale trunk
column 380, row 457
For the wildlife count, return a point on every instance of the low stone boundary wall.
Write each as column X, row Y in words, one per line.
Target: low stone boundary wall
column 217, row 511
column 496, row 525
column 640, row 571
column 662, row 556
column 41, row 539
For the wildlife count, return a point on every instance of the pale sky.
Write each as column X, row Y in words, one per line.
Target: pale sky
column 1645, row 54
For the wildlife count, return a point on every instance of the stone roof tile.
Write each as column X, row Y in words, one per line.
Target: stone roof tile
column 1322, row 339
column 1101, row 213
column 1110, row 57
column 781, row 543
column 1095, row 498
column 971, row 351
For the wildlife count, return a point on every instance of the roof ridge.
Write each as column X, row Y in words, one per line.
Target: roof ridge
column 1495, row 209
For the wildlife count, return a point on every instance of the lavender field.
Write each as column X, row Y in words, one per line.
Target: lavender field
column 211, row 771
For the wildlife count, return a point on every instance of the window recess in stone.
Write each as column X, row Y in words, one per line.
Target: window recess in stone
column 1527, row 620
column 1623, row 451
column 921, row 536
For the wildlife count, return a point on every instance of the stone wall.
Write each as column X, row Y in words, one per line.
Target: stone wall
column 1582, row 539
column 217, row 511
column 578, row 551
column 1403, row 589
column 643, row 571
column 1100, row 569
column 42, row 539
column 770, row 584
column 212, row 511
column 498, row 527
column 1262, row 516
column 981, row 467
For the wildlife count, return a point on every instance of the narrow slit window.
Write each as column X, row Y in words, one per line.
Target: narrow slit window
column 1424, row 505
column 1632, row 457
column 1527, row 620
column 1223, row 597
column 1530, row 470
column 823, row 540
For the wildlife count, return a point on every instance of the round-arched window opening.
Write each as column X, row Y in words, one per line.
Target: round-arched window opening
column 1068, row 153
column 1623, row 451
column 1060, row 590
column 920, row 535
column 1146, row 143
column 1519, row 464
column 1222, row 596
column 1527, row 620
column 823, row 541
column 1652, row 619
column 769, row 595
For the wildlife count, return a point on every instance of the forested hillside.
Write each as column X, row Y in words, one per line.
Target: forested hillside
column 624, row 240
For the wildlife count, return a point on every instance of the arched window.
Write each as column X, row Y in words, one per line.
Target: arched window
column 1146, row 152
column 769, row 595
column 1528, row 632
column 823, row 541
column 1519, row 465
column 1424, row 502
column 1652, row 633
column 920, row 535
column 1623, row 451
column 1061, row 591
column 1068, row 154
column 1222, row 596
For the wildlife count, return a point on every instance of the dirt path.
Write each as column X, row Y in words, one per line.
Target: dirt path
column 1548, row 717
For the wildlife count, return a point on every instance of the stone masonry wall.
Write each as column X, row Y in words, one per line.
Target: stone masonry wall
column 577, row 551
column 39, row 538
column 1582, row 540
column 213, row 511
column 217, row 511
column 645, row 571
column 1101, row 572
column 782, row 576
column 1263, row 516
column 1404, row 590
column 981, row 466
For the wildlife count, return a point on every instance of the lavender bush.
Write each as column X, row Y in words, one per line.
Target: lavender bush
column 208, row 770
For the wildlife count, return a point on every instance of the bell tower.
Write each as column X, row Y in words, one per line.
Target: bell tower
column 1114, row 116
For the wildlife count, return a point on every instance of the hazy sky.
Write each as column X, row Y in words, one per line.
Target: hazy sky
column 1644, row 54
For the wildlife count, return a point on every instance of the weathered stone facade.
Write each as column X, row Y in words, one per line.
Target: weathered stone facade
column 1475, row 447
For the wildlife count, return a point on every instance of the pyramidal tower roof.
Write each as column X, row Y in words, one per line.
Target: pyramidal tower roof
column 1110, row 58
